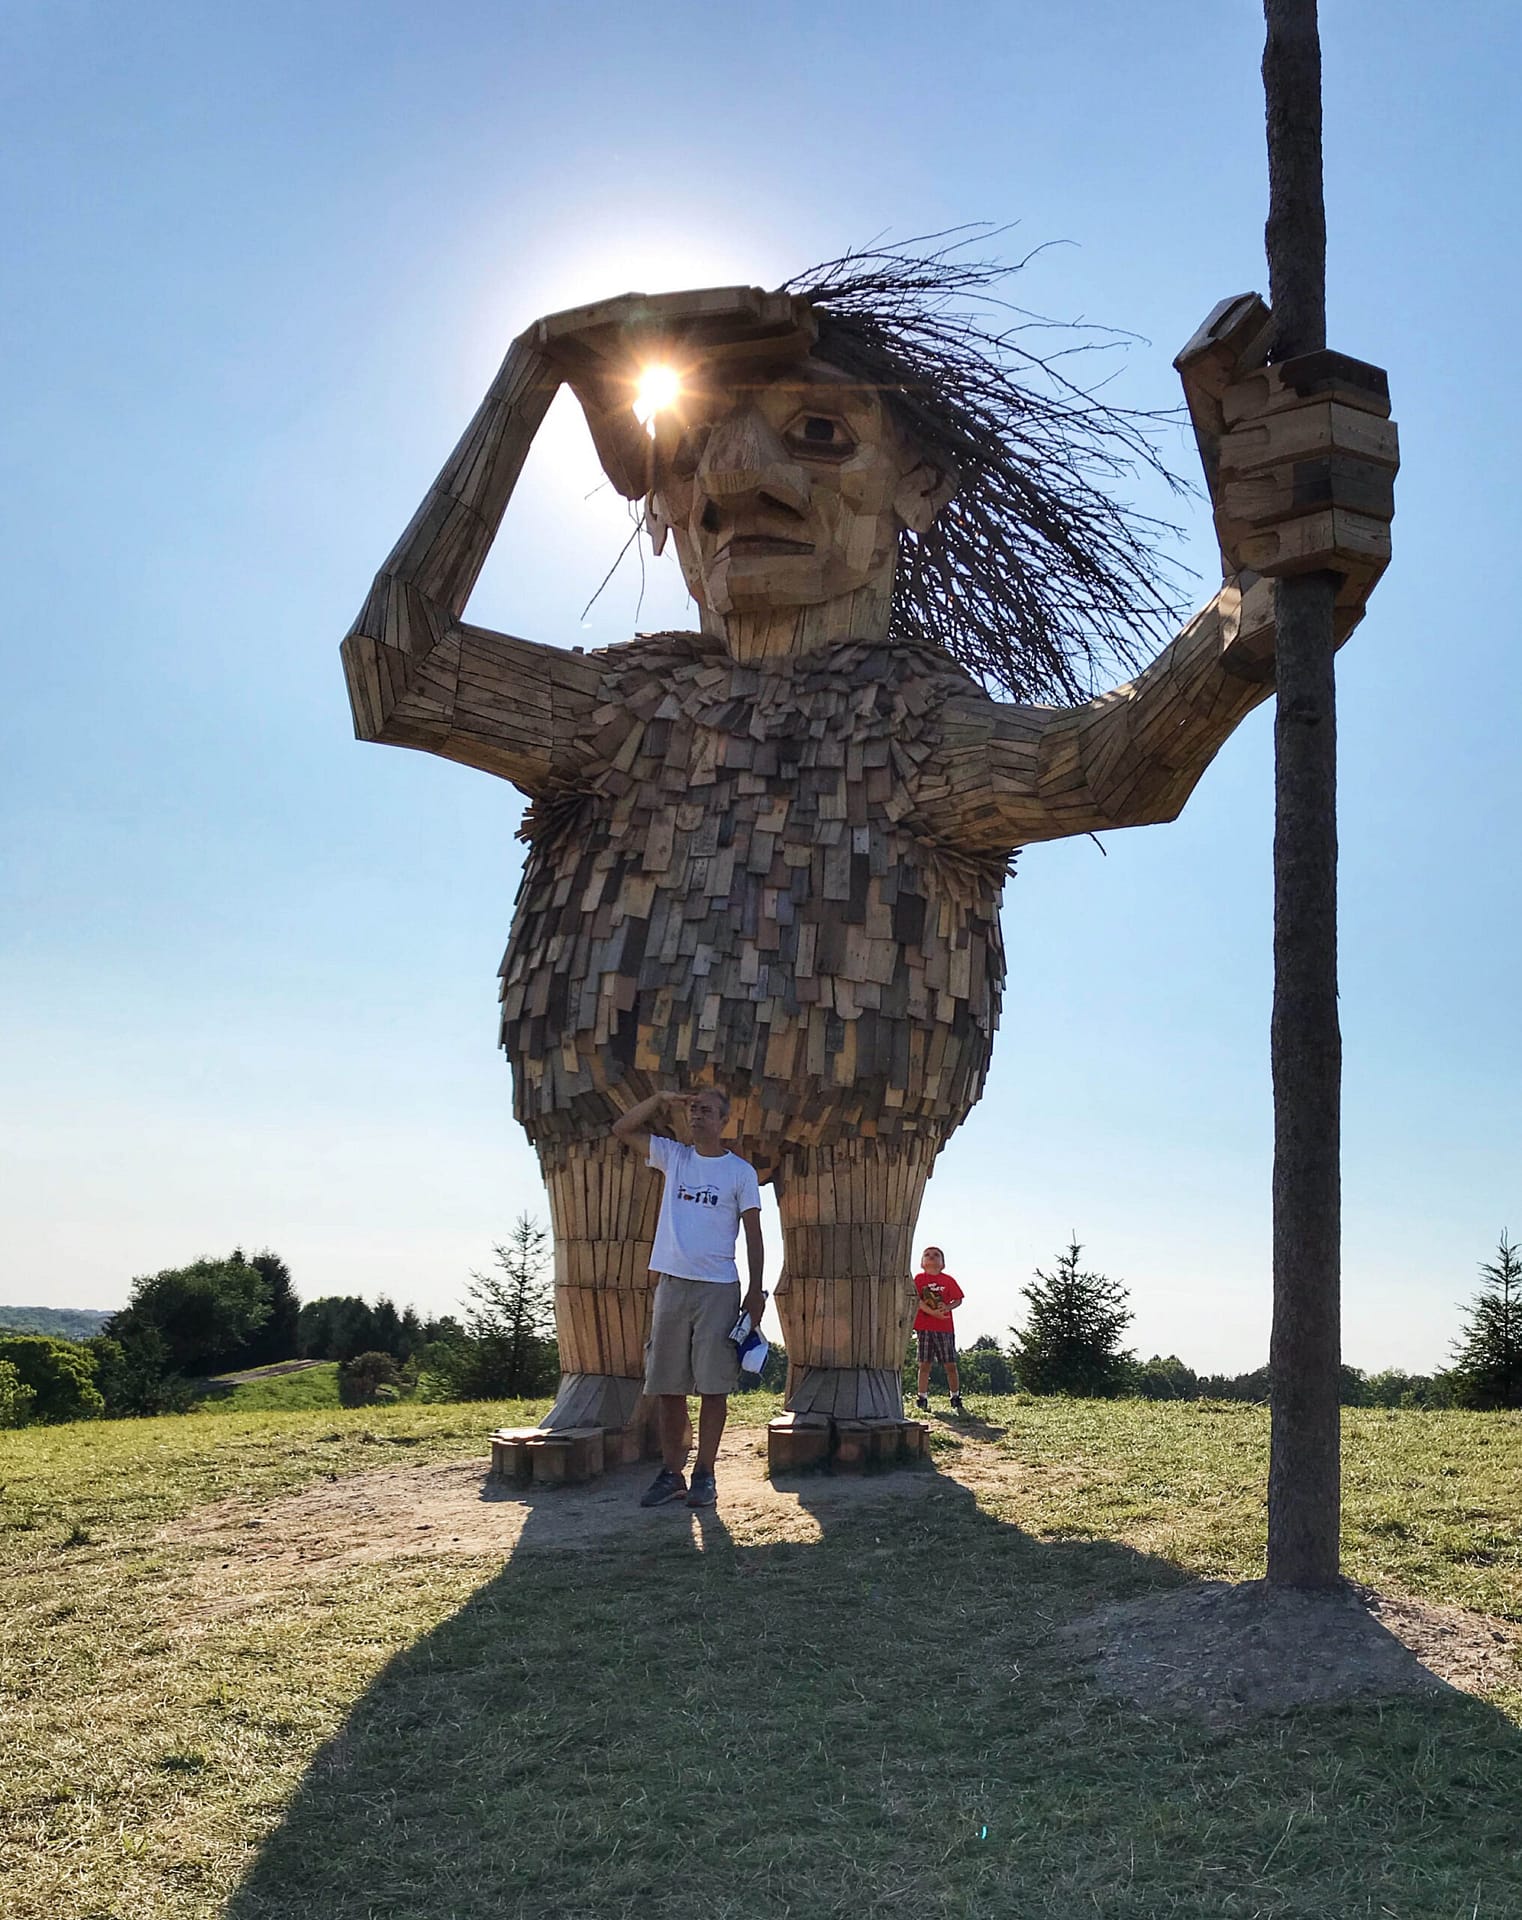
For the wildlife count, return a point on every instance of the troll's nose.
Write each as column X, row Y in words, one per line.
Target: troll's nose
column 746, row 457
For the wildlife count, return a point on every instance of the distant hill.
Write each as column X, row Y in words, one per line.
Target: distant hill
column 63, row 1323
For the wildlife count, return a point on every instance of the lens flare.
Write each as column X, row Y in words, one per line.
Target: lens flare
column 658, row 388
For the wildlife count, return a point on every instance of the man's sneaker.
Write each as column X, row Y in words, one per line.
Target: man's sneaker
column 922, row 1402
column 705, row 1492
column 665, row 1486
column 956, row 1404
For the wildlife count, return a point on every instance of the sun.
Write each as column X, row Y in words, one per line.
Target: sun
column 658, row 389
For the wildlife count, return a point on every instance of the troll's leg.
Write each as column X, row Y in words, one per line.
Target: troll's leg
column 845, row 1296
column 603, row 1206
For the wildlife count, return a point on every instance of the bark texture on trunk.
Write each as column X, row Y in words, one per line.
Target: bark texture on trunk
column 1304, row 1490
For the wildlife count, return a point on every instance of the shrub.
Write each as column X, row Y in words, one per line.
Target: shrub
column 132, row 1369
column 368, row 1380
column 59, row 1374
column 16, row 1397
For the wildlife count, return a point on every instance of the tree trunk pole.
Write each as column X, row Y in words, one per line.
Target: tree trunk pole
column 1304, row 1494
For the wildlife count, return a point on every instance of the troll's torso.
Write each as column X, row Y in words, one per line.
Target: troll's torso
column 745, row 884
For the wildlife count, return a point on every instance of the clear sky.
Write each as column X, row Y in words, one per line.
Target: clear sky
column 262, row 264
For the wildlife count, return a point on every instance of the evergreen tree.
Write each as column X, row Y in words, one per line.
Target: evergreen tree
column 1071, row 1342
column 337, row 1327
column 386, row 1329
column 276, row 1339
column 508, row 1351
column 412, row 1336
column 1487, row 1366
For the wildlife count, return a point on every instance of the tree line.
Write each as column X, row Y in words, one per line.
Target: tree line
column 186, row 1324
column 1076, row 1320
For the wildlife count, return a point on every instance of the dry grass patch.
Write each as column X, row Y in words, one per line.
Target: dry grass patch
column 831, row 1699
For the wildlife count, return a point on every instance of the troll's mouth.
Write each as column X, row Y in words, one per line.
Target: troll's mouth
column 747, row 545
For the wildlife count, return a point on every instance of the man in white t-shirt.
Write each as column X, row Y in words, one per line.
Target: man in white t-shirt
column 710, row 1194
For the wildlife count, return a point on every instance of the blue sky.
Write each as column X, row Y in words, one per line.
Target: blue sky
column 263, row 263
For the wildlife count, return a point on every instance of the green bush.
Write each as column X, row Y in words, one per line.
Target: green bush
column 59, row 1374
column 133, row 1372
column 369, row 1379
column 16, row 1397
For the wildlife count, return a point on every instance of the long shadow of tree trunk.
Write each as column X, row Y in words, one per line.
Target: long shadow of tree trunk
column 883, row 1718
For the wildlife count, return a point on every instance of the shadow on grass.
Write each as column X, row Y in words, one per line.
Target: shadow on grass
column 883, row 1718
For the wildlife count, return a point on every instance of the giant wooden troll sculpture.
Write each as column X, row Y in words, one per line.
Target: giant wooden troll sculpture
column 769, row 854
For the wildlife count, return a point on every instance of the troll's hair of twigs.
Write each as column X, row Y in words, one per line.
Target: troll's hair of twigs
column 1033, row 577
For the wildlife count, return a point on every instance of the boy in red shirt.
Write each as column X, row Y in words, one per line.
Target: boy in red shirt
column 939, row 1295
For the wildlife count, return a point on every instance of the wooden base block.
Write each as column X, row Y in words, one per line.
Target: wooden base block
column 853, row 1446
column 625, row 1446
column 797, row 1443
column 509, row 1453
column 566, row 1459
column 527, row 1455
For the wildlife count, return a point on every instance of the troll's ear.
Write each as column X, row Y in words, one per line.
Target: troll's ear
column 921, row 494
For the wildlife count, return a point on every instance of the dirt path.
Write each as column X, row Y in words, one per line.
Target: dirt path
column 1213, row 1649
column 456, row 1508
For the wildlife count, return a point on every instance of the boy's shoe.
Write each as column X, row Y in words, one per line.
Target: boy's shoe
column 922, row 1402
column 665, row 1486
column 956, row 1404
column 705, row 1492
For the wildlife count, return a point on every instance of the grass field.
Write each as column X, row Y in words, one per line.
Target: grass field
column 867, row 1709
column 276, row 1392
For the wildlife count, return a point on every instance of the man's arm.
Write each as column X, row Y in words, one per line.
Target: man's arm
column 755, row 1300
column 632, row 1129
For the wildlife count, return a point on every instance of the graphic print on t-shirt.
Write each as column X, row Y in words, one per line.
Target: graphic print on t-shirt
column 700, row 1196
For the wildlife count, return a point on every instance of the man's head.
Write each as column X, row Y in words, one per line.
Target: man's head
column 787, row 486
column 707, row 1112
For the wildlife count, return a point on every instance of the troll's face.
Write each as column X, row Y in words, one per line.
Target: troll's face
column 786, row 486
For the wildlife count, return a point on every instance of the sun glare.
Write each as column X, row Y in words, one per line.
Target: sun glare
column 658, row 388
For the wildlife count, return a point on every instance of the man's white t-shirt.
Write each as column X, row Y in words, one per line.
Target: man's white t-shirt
column 700, row 1211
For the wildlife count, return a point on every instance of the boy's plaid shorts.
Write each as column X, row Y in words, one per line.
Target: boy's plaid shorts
column 938, row 1344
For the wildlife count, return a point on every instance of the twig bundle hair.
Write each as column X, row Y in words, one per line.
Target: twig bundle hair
column 1033, row 577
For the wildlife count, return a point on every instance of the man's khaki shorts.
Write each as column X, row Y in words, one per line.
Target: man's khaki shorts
column 690, row 1350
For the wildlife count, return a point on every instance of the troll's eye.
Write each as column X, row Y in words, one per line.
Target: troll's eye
column 819, row 436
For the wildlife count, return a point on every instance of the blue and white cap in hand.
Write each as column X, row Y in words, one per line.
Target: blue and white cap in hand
column 751, row 1344
column 753, row 1350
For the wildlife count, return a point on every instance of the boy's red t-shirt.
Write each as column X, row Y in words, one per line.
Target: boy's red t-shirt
column 924, row 1320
